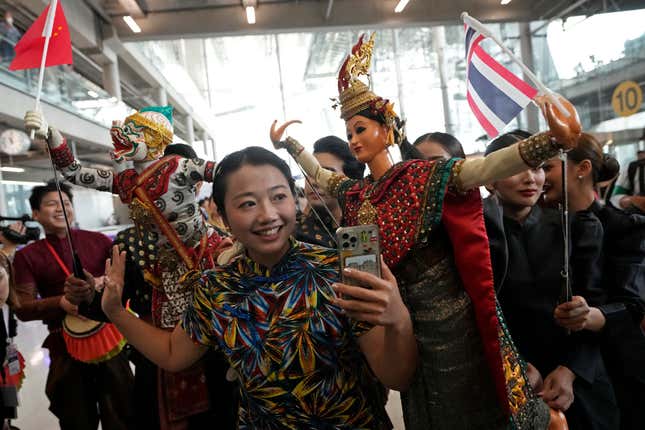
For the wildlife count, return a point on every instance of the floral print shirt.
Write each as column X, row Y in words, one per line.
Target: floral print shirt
column 297, row 354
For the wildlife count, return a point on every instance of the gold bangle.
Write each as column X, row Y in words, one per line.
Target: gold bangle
column 538, row 148
column 455, row 176
column 334, row 183
column 293, row 146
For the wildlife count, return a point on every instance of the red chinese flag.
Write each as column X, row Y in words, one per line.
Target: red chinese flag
column 29, row 49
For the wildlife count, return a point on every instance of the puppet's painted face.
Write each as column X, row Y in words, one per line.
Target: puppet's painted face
column 128, row 140
column 367, row 137
column 142, row 136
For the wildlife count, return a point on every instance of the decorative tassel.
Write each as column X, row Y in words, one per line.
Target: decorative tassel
column 390, row 137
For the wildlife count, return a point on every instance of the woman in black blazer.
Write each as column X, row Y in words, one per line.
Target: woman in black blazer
column 527, row 255
column 616, row 315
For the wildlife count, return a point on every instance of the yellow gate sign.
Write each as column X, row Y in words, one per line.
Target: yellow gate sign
column 627, row 98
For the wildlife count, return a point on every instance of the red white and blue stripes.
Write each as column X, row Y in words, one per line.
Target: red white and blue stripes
column 494, row 94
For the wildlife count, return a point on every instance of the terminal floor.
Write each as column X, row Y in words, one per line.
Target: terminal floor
column 33, row 412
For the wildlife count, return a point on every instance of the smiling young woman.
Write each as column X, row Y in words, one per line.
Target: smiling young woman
column 273, row 310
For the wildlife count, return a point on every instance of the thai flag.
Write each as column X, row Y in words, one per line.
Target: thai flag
column 494, row 94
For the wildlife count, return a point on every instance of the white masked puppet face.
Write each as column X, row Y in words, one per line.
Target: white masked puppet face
column 142, row 136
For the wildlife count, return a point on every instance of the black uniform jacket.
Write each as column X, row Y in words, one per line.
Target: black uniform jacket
column 527, row 263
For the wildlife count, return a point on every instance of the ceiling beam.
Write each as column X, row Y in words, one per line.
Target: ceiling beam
column 306, row 16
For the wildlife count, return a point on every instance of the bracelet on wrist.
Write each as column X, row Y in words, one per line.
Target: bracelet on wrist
column 538, row 148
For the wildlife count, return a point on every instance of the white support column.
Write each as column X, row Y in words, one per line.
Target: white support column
column 438, row 44
column 161, row 96
column 205, row 139
column 190, row 130
column 112, row 79
column 397, row 70
column 531, row 114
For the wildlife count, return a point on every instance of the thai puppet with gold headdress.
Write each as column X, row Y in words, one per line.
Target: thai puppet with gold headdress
column 160, row 193
column 429, row 216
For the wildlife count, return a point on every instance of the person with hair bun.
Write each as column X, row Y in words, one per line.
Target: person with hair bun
column 617, row 317
column 527, row 253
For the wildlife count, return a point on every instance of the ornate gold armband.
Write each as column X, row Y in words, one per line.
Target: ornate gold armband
column 455, row 179
column 293, row 146
column 334, row 183
column 538, row 148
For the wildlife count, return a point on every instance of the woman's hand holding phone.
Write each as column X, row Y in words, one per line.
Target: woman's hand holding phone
column 376, row 301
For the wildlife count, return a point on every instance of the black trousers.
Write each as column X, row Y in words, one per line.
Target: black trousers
column 81, row 394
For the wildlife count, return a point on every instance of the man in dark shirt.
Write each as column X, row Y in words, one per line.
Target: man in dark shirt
column 333, row 154
column 74, row 388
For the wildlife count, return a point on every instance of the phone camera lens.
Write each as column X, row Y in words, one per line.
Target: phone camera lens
column 345, row 244
column 353, row 240
column 345, row 236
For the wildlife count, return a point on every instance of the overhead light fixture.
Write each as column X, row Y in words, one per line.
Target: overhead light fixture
column 132, row 24
column 92, row 94
column 504, row 2
column 250, row 14
column 12, row 169
column 402, row 4
column 249, row 6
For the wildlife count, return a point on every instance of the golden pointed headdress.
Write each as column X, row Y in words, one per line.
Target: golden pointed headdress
column 354, row 95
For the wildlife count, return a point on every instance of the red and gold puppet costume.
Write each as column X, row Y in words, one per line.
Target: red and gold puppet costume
column 430, row 219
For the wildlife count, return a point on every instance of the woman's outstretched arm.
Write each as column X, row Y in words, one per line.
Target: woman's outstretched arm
column 172, row 351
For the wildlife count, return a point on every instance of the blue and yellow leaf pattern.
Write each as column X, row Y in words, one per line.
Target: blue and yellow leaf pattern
column 296, row 353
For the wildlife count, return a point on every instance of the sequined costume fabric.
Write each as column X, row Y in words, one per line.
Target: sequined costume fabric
column 296, row 353
column 309, row 229
column 454, row 387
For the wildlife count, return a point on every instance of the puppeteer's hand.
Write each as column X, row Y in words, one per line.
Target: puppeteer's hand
column 558, row 388
column 36, row 121
column 68, row 307
column 114, row 279
column 276, row 134
column 639, row 202
column 78, row 290
column 565, row 130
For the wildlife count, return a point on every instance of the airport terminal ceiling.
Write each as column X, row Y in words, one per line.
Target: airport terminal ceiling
column 228, row 79
column 162, row 19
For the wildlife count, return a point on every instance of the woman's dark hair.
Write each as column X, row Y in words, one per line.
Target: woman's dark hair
column 408, row 152
column 253, row 156
column 604, row 167
column 506, row 139
column 448, row 142
column 37, row 193
column 352, row 168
